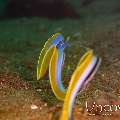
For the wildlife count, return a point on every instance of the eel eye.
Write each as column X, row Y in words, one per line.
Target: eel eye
column 60, row 44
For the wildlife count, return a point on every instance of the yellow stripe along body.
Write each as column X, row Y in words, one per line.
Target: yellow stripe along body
column 52, row 74
column 43, row 62
column 87, row 67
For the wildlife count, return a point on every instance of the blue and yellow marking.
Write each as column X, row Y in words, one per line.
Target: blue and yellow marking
column 52, row 57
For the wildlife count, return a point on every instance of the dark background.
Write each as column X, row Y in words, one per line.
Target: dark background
column 42, row 8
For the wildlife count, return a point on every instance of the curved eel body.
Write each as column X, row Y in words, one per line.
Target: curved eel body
column 52, row 57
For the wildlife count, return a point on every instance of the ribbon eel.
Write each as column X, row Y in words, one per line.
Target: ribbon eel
column 52, row 56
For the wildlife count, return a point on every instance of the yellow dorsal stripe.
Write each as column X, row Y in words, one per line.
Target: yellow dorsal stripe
column 84, row 62
column 41, row 56
column 52, row 74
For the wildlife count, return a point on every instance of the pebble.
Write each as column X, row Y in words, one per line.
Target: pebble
column 40, row 108
column 103, row 75
column 33, row 107
column 45, row 104
column 118, row 72
column 39, row 90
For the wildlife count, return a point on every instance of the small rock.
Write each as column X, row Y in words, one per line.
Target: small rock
column 33, row 107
